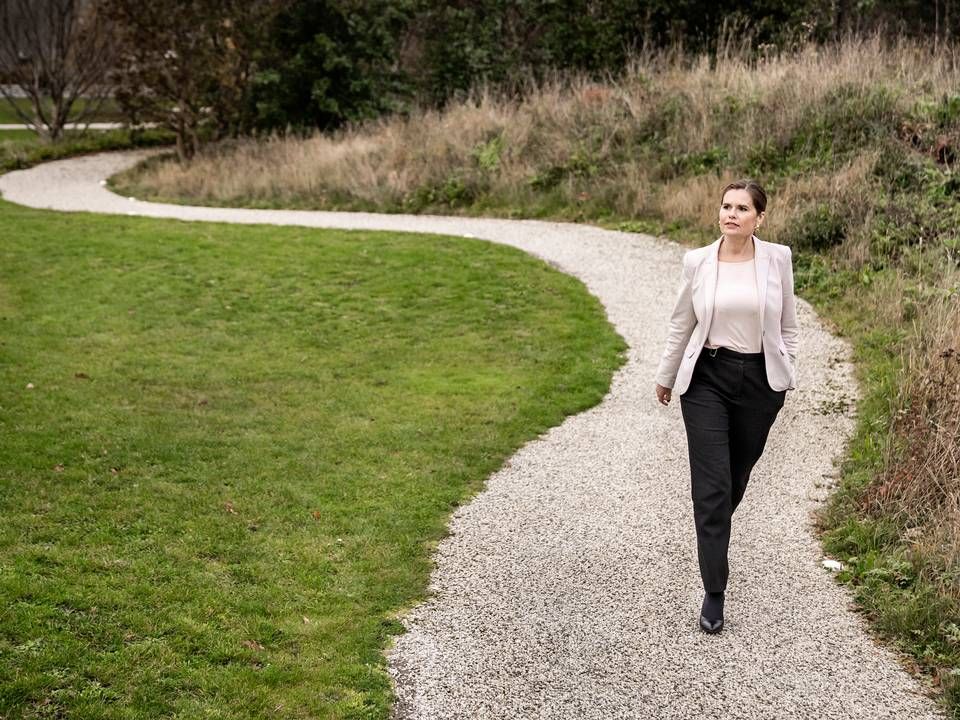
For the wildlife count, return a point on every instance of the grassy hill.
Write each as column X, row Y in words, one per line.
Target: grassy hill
column 857, row 145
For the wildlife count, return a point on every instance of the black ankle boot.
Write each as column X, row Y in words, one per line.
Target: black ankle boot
column 711, row 612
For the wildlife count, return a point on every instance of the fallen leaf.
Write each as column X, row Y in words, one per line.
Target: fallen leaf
column 81, row 375
column 252, row 644
column 228, row 506
column 316, row 514
column 306, row 619
column 58, row 467
column 115, row 470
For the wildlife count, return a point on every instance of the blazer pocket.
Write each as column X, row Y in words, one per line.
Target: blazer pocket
column 784, row 353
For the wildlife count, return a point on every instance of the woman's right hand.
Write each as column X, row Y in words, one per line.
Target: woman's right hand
column 663, row 394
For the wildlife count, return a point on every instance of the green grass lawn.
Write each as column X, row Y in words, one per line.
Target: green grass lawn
column 18, row 143
column 22, row 148
column 242, row 444
column 109, row 112
column 27, row 137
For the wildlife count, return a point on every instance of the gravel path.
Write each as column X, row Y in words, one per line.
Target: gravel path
column 75, row 126
column 568, row 587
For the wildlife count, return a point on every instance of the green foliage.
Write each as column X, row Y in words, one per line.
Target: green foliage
column 699, row 163
column 460, row 190
column 548, row 178
column 915, row 226
column 582, row 164
column 329, row 63
column 894, row 588
column 899, row 169
column 660, row 127
column 817, row 230
column 944, row 112
column 487, row 154
column 850, row 119
column 813, row 276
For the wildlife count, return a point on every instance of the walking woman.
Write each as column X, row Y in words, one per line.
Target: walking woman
column 731, row 357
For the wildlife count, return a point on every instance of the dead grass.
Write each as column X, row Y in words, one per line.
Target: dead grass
column 692, row 105
column 920, row 486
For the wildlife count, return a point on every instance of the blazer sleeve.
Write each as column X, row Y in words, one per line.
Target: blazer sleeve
column 683, row 320
column 789, row 330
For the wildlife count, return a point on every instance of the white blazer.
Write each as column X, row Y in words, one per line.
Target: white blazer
column 690, row 321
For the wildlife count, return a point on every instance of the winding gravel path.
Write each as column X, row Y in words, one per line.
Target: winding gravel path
column 75, row 126
column 568, row 588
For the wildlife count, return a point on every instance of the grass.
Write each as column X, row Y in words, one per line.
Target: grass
column 22, row 148
column 228, row 451
column 109, row 111
column 20, row 137
column 857, row 144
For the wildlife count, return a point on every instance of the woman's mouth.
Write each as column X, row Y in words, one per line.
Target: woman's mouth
column 732, row 225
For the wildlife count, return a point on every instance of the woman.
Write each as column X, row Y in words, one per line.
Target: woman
column 731, row 357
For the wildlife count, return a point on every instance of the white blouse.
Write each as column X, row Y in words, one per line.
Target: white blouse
column 736, row 310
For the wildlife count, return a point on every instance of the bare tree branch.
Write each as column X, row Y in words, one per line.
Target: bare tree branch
column 58, row 54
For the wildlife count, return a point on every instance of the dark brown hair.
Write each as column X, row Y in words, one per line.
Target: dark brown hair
column 757, row 193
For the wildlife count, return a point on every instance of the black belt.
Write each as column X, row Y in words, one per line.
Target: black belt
column 733, row 354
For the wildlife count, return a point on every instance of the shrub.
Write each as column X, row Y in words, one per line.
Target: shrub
column 817, row 230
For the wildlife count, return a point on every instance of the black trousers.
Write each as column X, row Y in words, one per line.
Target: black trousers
column 727, row 411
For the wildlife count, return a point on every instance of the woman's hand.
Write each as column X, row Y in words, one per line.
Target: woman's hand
column 663, row 394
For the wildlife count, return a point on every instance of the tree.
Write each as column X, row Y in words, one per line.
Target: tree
column 331, row 62
column 188, row 64
column 55, row 52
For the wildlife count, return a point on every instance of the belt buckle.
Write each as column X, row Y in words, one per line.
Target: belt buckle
column 713, row 351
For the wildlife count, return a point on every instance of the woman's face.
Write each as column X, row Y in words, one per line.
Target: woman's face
column 738, row 216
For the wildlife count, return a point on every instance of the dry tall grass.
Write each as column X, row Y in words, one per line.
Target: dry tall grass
column 384, row 161
column 920, row 486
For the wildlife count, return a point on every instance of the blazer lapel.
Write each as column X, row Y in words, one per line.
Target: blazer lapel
column 762, row 265
column 710, row 267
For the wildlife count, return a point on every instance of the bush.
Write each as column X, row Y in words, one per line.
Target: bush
column 817, row 230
